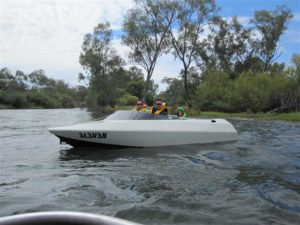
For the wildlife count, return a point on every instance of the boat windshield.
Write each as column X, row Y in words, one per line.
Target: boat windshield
column 133, row 115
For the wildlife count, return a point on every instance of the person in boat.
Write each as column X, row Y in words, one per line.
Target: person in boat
column 159, row 108
column 181, row 113
column 140, row 106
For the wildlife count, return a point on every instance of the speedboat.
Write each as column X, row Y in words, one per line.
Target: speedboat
column 139, row 129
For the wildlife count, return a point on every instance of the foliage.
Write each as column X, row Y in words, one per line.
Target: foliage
column 36, row 90
column 126, row 99
column 136, row 84
column 174, row 94
column 227, row 48
column 145, row 32
column 230, row 70
column 41, row 99
column 233, row 69
column 98, row 58
column 250, row 92
column 232, row 48
column 102, row 64
column 109, row 82
column 192, row 17
column 212, row 94
column 275, row 91
column 14, row 100
column 270, row 25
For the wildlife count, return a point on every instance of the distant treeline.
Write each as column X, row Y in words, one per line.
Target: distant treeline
column 36, row 90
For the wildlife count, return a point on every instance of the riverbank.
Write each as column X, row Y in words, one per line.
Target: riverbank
column 292, row 117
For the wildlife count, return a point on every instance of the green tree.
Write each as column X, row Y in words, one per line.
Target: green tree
column 136, row 84
column 38, row 79
column 213, row 93
column 153, row 87
column 145, row 30
column 34, row 90
column 7, row 80
column 101, row 62
column 227, row 48
column 22, row 80
column 174, row 92
column 270, row 25
column 191, row 18
column 194, row 79
column 230, row 44
column 80, row 93
column 252, row 92
column 295, row 73
column 293, row 101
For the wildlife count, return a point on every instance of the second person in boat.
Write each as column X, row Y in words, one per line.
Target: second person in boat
column 159, row 108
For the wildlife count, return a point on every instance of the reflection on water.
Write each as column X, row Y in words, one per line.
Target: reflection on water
column 253, row 181
column 94, row 154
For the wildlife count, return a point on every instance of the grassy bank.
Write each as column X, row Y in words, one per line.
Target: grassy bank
column 293, row 117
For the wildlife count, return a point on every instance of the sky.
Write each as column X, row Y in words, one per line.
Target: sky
column 48, row 34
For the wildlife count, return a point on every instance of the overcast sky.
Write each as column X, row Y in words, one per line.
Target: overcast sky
column 47, row 34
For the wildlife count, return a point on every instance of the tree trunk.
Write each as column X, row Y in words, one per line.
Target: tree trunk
column 185, row 83
column 146, row 86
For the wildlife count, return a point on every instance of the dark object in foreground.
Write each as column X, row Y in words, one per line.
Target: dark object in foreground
column 62, row 218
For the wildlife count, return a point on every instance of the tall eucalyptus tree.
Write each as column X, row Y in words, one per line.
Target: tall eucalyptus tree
column 270, row 25
column 98, row 57
column 192, row 17
column 230, row 45
column 100, row 61
column 145, row 32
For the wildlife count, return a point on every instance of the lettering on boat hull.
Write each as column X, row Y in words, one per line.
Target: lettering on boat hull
column 92, row 135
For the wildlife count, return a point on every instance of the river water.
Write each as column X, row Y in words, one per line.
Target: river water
column 255, row 180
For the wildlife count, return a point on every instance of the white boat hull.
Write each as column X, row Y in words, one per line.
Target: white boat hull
column 147, row 133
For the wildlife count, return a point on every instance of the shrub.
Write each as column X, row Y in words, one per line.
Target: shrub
column 66, row 101
column 3, row 98
column 212, row 94
column 127, row 99
column 19, row 100
column 13, row 99
column 42, row 99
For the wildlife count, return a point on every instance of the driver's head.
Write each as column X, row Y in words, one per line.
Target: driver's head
column 158, row 103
